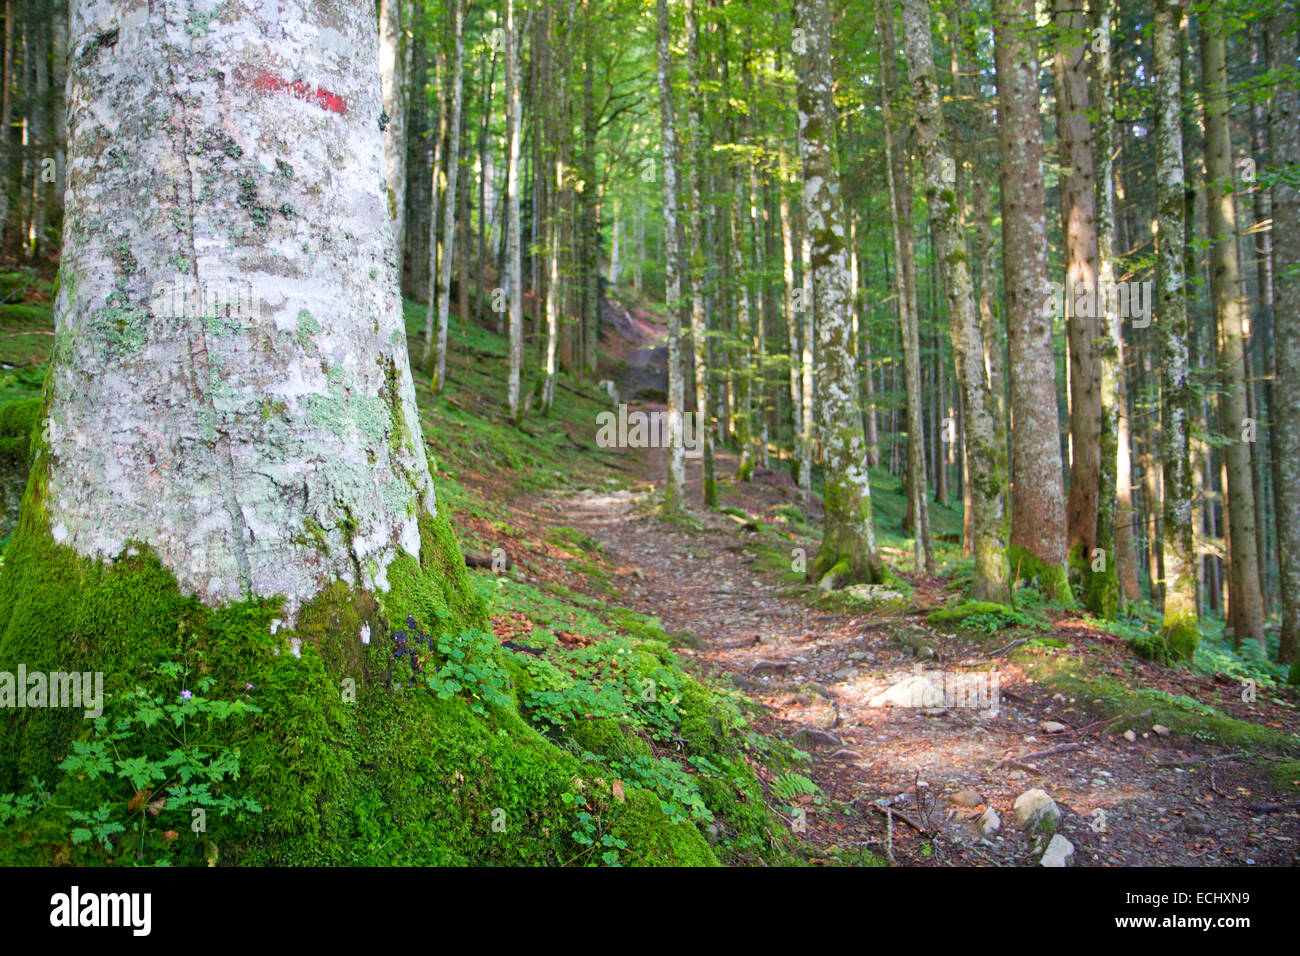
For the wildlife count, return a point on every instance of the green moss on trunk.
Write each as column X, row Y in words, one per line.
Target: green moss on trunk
column 1051, row 579
column 352, row 759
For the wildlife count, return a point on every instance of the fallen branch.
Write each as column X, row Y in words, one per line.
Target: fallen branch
column 1112, row 720
column 1195, row 761
column 1274, row 807
column 1063, row 748
column 1016, row 642
column 890, row 813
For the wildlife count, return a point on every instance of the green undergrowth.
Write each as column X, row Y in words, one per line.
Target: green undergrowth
column 380, row 728
column 430, row 744
column 1070, row 672
column 986, row 617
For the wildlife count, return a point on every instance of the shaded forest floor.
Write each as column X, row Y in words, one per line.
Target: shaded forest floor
column 1218, row 782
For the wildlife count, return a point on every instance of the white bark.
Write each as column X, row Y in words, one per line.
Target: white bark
column 392, row 69
column 514, row 265
column 266, row 442
column 449, row 200
column 676, row 491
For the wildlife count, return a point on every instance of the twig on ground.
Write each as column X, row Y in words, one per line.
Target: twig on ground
column 1063, row 748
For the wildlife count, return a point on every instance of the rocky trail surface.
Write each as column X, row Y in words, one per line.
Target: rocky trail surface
column 967, row 780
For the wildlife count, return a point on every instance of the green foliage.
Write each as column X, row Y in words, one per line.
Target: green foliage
column 789, row 787
column 152, row 782
column 985, row 617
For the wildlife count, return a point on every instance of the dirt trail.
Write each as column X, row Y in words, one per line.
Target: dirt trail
column 1156, row 799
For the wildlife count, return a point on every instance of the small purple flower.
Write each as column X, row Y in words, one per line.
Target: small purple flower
column 186, row 695
column 248, row 687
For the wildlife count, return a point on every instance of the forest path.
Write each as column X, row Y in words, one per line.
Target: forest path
column 1155, row 800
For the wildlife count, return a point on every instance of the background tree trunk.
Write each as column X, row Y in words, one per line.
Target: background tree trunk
column 1038, row 535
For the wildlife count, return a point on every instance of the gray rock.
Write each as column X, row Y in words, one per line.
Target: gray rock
column 1058, row 853
column 988, row 823
column 1036, row 812
column 914, row 691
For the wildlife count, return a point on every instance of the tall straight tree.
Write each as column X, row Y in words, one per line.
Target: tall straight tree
column 392, row 72
column 1246, row 609
column 1176, row 394
column 514, row 265
column 1284, row 142
column 848, row 549
column 1114, row 538
column 1038, row 536
column 675, row 492
column 1079, row 228
column 695, row 239
column 450, row 197
column 897, row 176
column 986, row 457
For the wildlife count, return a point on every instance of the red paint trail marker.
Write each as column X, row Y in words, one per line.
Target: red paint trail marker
column 268, row 82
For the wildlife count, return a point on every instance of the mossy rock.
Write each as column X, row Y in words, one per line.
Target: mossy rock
column 982, row 616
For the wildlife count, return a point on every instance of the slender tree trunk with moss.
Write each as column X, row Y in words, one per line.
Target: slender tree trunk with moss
column 1074, row 129
column 900, row 219
column 986, row 460
column 1038, row 534
column 1176, row 394
column 588, row 199
column 675, row 492
column 514, row 277
column 450, row 197
column 743, row 416
column 1103, row 594
column 848, row 550
column 392, row 70
column 1246, row 615
column 792, row 296
column 808, row 404
column 695, row 240
column 1284, row 140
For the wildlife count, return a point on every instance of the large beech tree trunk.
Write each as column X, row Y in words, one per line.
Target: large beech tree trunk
column 230, row 383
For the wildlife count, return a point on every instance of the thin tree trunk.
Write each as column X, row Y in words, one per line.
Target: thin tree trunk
column 695, row 238
column 1284, row 139
column 1247, row 610
column 675, row 492
column 514, row 278
column 900, row 208
column 449, row 199
column 392, row 71
column 1083, row 317
column 1179, row 549
column 986, row 460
